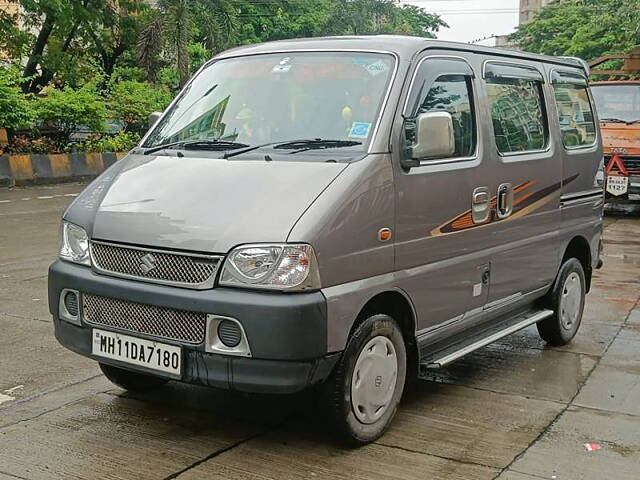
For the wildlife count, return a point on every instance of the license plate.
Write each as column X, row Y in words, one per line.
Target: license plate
column 137, row 351
column 617, row 185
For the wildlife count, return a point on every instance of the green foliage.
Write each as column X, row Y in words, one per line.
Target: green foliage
column 80, row 62
column 414, row 20
column 358, row 17
column 582, row 28
column 198, row 54
column 67, row 108
column 132, row 102
column 120, row 142
column 15, row 108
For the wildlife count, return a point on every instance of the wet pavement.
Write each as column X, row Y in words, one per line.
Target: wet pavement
column 516, row 410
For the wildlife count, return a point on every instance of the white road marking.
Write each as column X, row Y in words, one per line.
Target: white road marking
column 44, row 197
column 5, row 398
column 13, row 389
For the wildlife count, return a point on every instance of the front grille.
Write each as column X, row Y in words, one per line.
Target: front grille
column 170, row 268
column 163, row 322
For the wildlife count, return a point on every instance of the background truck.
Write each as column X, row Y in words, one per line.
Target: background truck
column 617, row 101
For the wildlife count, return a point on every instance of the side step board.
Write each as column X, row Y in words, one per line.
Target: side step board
column 448, row 355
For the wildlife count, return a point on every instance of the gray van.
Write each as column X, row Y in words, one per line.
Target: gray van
column 338, row 213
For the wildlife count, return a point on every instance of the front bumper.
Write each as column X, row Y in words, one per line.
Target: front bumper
column 287, row 333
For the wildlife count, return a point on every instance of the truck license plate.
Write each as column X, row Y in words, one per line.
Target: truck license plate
column 137, row 351
column 617, row 185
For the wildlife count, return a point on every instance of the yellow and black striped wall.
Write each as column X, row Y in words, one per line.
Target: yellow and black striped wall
column 16, row 170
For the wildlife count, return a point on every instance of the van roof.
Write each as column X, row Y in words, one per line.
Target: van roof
column 405, row 47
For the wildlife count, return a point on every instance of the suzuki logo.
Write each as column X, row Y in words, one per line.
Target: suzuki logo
column 148, row 263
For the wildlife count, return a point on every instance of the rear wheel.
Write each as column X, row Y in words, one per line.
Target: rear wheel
column 566, row 299
column 132, row 381
column 362, row 395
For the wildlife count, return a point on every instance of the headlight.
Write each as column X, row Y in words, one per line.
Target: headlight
column 74, row 244
column 275, row 267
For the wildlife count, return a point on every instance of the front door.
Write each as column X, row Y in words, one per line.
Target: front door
column 440, row 254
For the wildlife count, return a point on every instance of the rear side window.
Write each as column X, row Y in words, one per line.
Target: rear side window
column 453, row 94
column 577, row 124
column 518, row 114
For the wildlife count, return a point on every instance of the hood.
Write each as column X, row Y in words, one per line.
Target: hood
column 620, row 138
column 204, row 204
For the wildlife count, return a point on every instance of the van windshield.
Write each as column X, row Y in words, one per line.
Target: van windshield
column 617, row 103
column 273, row 98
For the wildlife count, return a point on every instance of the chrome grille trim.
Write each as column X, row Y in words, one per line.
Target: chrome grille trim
column 162, row 322
column 171, row 268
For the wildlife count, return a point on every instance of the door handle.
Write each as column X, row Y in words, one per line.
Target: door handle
column 480, row 197
column 504, row 203
column 480, row 205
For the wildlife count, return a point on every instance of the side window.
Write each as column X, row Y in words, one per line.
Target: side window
column 518, row 114
column 454, row 94
column 577, row 125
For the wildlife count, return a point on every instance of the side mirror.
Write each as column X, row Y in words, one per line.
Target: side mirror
column 434, row 138
column 153, row 118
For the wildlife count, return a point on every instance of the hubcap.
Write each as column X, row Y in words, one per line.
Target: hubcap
column 570, row 301
column 374, row 379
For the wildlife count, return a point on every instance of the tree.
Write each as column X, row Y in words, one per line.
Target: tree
column 15, row 108
column 414, row 20
column 132, row 102
column 69, row 34
column 68, row 108
column 582, row 28
column 176, row 30
column 113, row 31
column 358, row 17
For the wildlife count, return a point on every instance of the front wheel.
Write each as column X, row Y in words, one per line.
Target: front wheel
column 362, row 395
column 566, row 299
column 132, row 381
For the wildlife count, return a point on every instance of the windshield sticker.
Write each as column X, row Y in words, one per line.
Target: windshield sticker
column 360, row 130
column 376, row 68
column 281, row 68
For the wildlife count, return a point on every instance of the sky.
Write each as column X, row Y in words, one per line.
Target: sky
column 473, row 19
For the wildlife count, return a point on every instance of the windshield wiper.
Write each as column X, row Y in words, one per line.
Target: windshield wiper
column 316, row 143
column 298, row 144
column 198, row 145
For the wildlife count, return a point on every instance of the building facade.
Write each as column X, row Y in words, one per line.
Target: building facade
column 10, row 7
column 529, row 8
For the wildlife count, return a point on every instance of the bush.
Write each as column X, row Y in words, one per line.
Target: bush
column 15, row 108
column 132, row 102
column 68, row 108
column 120, row 142
column 26, row 144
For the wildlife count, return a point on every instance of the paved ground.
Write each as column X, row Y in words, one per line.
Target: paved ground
column 513, row 411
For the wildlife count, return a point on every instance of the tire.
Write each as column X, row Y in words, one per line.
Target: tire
column 566, row 299
column 373, row 366
column 132, row 381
